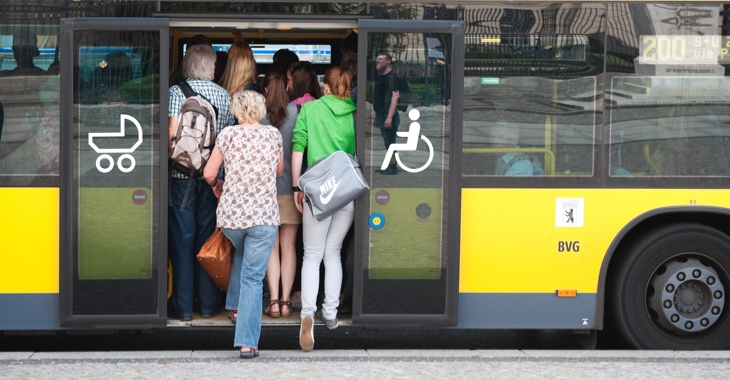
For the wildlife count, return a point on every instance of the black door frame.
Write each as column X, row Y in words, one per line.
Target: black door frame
column 66, row 251
column 449, row 317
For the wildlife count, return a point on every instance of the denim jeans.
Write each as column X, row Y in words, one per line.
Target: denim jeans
column 188, row 229
column 252, row 247
column 323, row 241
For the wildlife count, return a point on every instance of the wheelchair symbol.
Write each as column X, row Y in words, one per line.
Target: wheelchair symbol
column 411, row 144
column 108, row 158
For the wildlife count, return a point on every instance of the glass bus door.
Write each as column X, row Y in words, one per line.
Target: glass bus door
column 407, row 226
column 113, row 172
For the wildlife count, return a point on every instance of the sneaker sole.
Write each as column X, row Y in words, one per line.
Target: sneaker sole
column 306, row 335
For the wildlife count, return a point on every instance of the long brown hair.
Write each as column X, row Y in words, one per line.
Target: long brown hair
column 276, row 97
column 338, row 80
column 304, row 80
column 240, row 69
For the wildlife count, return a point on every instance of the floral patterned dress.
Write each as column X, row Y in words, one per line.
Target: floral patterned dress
column 250, row 156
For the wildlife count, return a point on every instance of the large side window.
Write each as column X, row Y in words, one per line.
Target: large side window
column 29, row 110
column 530, row 90
column 669, row 96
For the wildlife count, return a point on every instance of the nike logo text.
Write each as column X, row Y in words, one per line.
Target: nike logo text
column 330, row 186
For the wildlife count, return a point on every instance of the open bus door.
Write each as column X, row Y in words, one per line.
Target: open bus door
column 113, row 258
column 408, row 225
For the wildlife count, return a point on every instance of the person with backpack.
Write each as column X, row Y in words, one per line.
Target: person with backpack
column 192, row 211
column 385, row 102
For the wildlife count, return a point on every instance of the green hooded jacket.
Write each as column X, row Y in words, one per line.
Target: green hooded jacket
column 325, row 126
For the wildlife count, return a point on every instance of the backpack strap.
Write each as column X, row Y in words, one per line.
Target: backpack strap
column 186, row 89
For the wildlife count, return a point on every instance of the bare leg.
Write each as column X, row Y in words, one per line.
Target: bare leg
column 287, row 240
column 273, row 273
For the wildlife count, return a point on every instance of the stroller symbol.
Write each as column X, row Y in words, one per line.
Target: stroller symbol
column 108, row 158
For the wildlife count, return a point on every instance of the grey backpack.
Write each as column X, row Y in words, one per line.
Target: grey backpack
column 195, row 134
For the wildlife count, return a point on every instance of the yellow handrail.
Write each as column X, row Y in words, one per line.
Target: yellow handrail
column 549, row 161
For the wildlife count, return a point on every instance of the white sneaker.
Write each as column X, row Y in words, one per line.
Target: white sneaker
column 330, row 323
column 306, row 334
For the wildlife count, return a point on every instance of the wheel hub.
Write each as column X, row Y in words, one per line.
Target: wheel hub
column 687, row 296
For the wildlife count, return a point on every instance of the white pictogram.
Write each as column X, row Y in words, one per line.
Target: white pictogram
column 108, row 158
column 411, row 144
column 329, row 186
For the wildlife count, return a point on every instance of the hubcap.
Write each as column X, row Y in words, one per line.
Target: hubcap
column 687, row 296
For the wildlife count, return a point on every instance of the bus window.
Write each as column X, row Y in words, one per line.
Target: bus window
column 263, row 53
column 29, row 135
column 529, row 99
column 533, row 118
column 116, row 74
column 676, row 128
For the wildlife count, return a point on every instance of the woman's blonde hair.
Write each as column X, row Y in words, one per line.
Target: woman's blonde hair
column 198, row 62
column 241, row 68
column 248, row 106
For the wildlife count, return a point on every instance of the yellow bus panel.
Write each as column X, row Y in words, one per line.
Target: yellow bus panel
column 29, row 240
column 511, row 241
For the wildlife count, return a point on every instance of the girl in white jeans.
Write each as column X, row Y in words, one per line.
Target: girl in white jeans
column 323, row 241
column 324, row 126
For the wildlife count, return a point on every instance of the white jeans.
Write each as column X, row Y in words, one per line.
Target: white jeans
column 323, row 240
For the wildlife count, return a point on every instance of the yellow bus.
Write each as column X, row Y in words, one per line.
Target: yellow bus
column 559, row 165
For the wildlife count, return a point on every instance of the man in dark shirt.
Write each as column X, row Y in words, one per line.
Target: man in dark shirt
column 385, row 100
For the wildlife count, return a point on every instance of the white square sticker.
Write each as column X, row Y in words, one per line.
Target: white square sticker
column 569, row 212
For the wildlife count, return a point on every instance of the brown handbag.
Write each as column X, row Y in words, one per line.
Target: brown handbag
column 215, row 257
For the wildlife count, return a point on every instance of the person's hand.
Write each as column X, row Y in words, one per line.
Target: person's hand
column 218, row 188
column 298, row 200
column 388, row 124
column 237, row 36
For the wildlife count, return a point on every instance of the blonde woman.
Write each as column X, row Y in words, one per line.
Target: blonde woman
column 240, row 73
column 248, row 212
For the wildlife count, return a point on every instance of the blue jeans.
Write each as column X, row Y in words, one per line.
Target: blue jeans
column 252, row 249
column 188, row 229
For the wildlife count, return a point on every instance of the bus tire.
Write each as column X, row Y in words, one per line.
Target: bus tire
column 669, row 291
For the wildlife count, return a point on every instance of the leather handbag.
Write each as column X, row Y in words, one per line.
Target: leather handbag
column 215, row 256
column 331, row 183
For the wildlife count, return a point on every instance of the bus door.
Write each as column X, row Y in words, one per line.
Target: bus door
column 113, row 259
column 407, row 225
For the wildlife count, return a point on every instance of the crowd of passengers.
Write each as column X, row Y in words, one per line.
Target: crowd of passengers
column 249, row 189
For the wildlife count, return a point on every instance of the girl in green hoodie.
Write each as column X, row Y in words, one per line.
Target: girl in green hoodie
column 324, row 126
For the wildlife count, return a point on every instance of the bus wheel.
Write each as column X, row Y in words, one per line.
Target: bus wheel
column 670, row 290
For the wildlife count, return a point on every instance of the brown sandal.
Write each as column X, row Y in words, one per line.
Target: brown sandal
column 269, row 312
column 286, row 304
